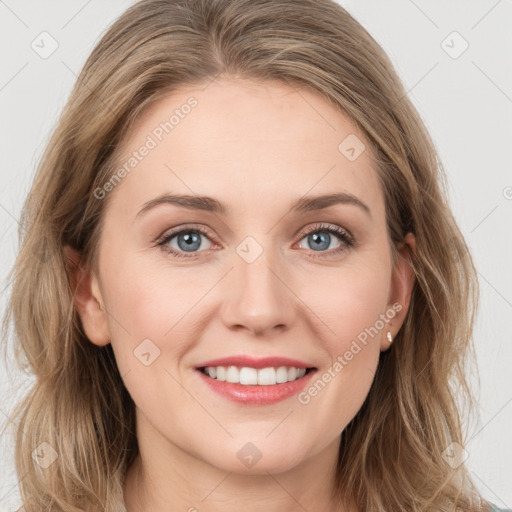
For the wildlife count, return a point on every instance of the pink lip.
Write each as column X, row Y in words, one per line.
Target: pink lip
column 253, row 362
column 256, row 395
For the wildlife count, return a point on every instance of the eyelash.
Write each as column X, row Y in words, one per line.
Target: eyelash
column 346, row 239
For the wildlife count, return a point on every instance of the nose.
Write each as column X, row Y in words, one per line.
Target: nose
column 257, row 297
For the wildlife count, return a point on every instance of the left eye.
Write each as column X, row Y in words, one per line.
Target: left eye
column 187, row 240
column 320, row 238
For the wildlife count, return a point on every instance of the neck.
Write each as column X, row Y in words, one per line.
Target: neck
column 173, row 476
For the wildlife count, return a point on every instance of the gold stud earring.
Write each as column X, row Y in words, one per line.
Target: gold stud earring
column 389, row 337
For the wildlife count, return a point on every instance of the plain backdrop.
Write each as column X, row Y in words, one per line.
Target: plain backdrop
column 454, row 58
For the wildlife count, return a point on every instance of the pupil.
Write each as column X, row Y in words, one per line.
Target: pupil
column 321, row 240
column 190, row 240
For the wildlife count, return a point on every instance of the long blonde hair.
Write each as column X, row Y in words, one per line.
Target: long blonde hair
column 392, row 453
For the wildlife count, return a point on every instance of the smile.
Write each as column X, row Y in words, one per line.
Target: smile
column 248, row 376
column 263, row 386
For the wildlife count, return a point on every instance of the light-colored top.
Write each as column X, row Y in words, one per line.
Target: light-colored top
column 494, row 508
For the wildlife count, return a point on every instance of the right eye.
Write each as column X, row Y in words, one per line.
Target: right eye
column 185, row 240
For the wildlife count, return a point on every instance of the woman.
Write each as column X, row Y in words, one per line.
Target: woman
column 248, row 297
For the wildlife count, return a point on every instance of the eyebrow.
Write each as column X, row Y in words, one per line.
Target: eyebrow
column 209, row 204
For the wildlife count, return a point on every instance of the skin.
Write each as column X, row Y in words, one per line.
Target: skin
column 256, row 147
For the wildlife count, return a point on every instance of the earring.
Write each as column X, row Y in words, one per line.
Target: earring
column 389, row 337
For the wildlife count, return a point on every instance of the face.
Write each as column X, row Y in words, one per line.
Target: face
column 260, row 270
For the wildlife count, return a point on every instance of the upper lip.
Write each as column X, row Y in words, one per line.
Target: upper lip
column 255, row 362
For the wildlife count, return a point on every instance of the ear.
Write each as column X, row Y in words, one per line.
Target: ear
column 87, row 298
column 402, row 282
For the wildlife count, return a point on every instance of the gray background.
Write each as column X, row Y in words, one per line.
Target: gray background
column 465, row 101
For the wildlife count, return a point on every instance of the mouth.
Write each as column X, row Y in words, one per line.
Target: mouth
column 249, row 376
column 251, row 381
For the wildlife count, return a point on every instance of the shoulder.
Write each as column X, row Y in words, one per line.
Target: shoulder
column 494, row 508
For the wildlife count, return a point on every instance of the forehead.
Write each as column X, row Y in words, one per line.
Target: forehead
column 246, row 141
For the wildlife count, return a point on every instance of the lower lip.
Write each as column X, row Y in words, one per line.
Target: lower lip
column 257, row 395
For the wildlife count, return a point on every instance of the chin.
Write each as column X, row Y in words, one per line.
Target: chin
column 258, row 457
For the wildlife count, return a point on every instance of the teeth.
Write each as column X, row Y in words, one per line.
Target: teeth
column 267, row 377
column 232, row 374
column 251, row 376
column 282, row 374
column 221, row 372
column 248, row 376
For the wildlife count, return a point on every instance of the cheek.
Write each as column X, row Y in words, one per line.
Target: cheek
column 349, row 301
column 145, row 304
column 151, row 329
